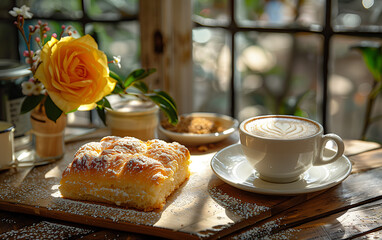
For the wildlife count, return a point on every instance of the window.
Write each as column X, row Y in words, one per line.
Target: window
column 286, row 57
column 246, row 57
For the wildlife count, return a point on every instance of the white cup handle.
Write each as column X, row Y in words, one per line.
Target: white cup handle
column 321, row 160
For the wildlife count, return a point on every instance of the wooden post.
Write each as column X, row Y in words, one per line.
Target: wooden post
column 166, row 38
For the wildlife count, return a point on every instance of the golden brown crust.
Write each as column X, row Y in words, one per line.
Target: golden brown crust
column 126, row 171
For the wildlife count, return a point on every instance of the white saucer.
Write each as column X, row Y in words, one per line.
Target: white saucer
column 231, row 166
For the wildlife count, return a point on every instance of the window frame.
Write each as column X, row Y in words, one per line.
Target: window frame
column 327, row 33
column 172, row 19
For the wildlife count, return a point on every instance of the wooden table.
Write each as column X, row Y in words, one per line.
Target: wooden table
column 203, row 208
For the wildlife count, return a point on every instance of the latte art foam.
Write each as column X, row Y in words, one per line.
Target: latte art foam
column 281, row 128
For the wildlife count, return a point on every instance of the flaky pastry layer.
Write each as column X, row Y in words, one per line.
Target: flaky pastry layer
column 126, row 171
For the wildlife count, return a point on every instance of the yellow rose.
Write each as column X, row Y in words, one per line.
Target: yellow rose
column 74, row 72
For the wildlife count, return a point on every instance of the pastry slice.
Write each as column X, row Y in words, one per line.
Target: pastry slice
column 126, row 171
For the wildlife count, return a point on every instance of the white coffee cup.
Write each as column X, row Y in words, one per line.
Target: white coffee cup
column 280, row 147
column 6, row 145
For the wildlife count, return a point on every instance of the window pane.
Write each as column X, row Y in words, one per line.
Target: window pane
column 54, row 9
column 121, row 39
column 9, row 40
column 277, row 74
column 215, row 12
column 279, row 13
column 362, row 14
column 350, row 83
column 109, row 9
column 5, row 6
column 212, row 59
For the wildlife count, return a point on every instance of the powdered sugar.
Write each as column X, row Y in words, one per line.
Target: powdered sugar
column 128, row 153
column 45, row 230
column 269, row 230
column 235, row 205
column 97, row 210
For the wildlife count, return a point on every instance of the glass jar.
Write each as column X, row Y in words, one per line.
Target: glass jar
column 12, row 74
column 133, row 118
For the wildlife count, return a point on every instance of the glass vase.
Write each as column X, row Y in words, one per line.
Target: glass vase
column 48, row 136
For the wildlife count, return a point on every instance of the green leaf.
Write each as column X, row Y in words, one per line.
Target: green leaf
column 118, row 89
column 299, row 113
column 116, row 77
column 372, row 56
column 141, row 86
column 101, row 105
column 166, row 106
column 104, row 103
column 166, row 96
column 51, row 110
column 101, row 113
column 30, row 102
column 373, row 62
column 133, row 76
column 137, row 75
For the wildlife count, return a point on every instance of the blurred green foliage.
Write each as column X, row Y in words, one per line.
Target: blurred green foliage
column 372, row 56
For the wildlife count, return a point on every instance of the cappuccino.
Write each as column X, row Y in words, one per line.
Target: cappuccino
column 281, row 127
column 281, row 148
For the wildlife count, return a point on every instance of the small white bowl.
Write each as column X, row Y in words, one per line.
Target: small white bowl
column 193, row 139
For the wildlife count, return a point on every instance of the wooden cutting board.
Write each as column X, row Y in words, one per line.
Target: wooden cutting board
column 203, row 207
